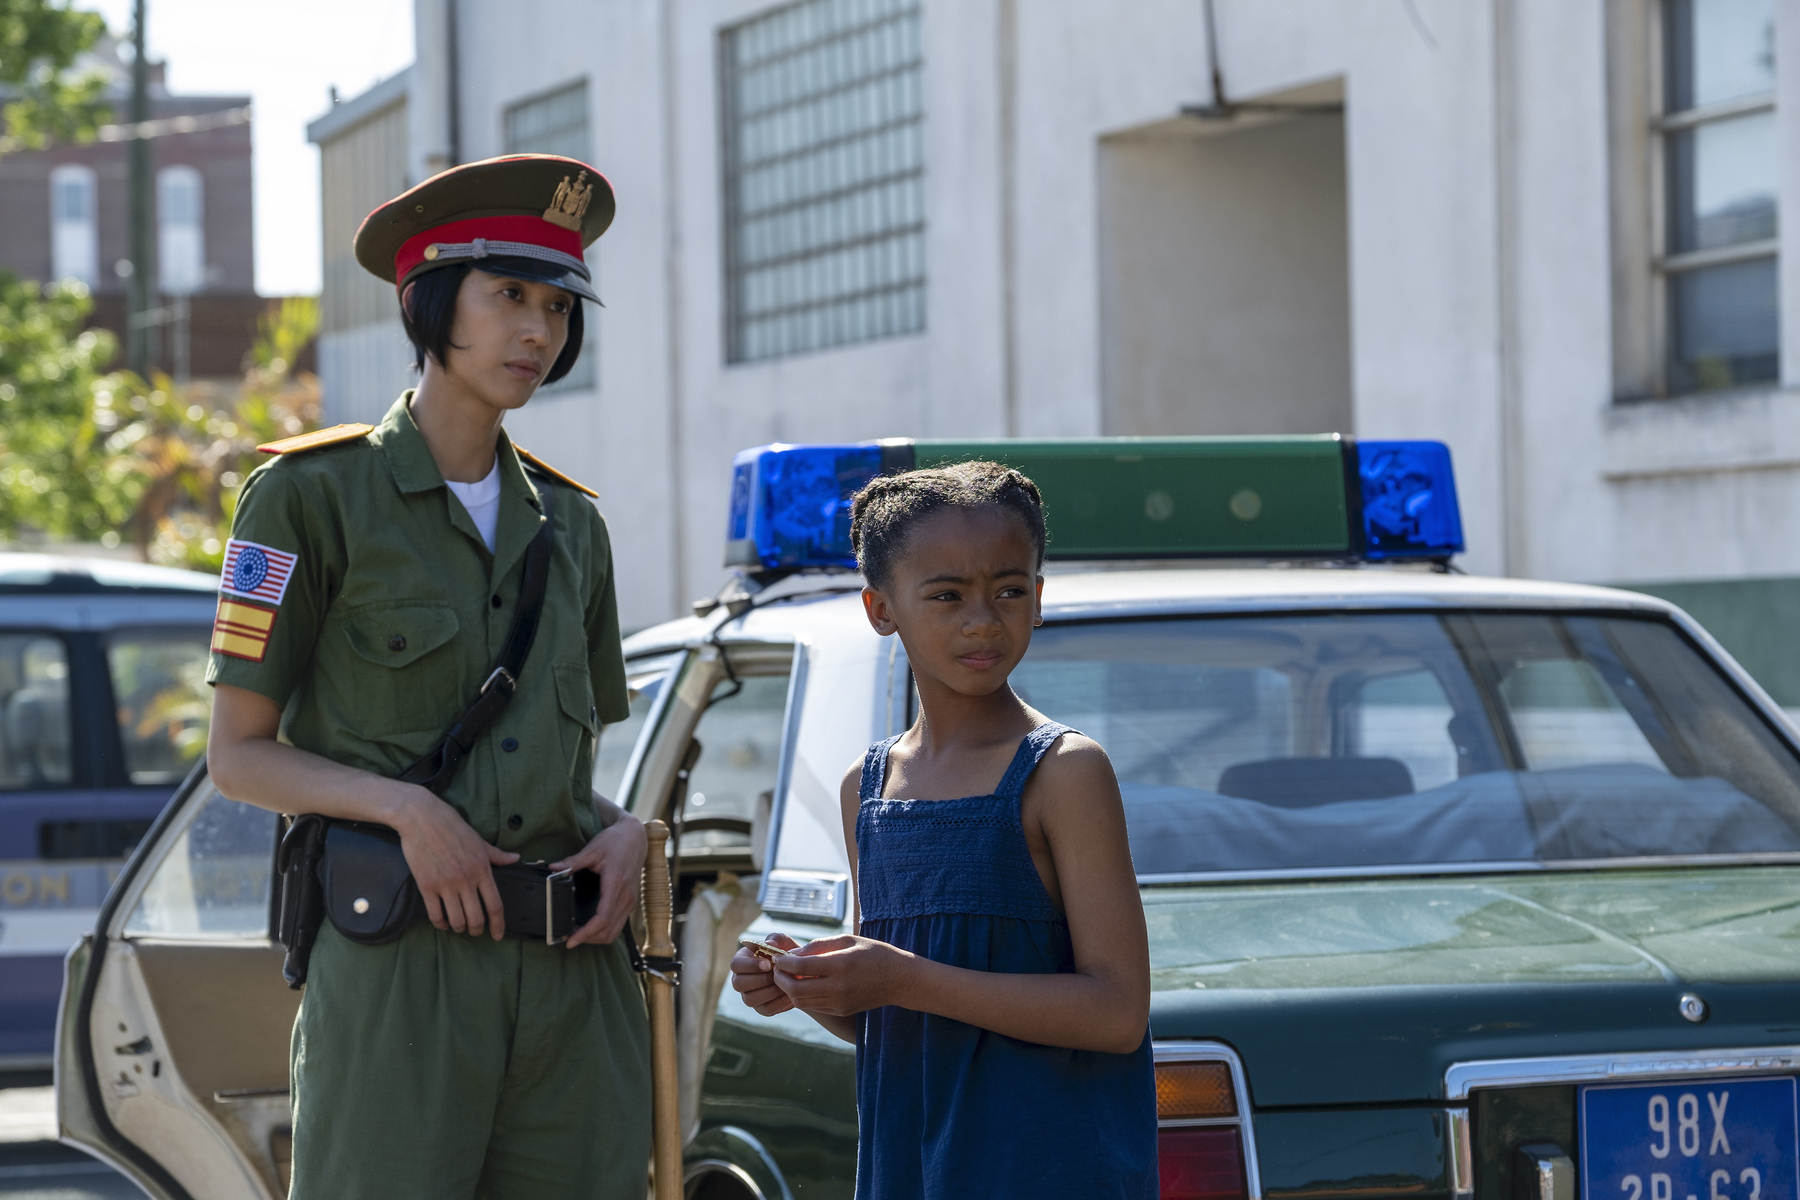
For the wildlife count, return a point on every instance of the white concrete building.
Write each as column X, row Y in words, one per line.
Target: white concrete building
column 1560, row 235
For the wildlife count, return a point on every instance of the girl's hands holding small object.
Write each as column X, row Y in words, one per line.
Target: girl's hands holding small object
column 752, row 974
column 843, row 976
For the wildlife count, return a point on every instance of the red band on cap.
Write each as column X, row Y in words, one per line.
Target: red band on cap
column 533, row 230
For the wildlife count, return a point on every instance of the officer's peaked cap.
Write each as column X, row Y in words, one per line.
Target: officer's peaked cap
column 538, row 212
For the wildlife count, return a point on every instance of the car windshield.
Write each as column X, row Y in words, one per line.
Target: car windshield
column 1312, row 743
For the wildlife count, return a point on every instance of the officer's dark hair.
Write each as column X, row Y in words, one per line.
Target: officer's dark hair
column 889, row 507
column 428, row 311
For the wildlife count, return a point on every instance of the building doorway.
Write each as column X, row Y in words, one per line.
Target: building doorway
column 1224, row 277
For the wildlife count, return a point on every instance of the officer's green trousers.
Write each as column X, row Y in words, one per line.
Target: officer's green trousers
column 446, row 1067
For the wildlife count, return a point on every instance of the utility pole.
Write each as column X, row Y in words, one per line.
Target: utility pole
column 142, row 284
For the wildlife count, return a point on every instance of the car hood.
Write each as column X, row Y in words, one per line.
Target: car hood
column 1365, row 991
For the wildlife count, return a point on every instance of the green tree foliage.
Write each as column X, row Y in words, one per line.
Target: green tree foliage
column 39, row 43
column 87, row 456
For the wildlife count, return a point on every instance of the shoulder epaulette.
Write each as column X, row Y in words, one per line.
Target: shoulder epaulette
column 552, row 472
column 316, row 439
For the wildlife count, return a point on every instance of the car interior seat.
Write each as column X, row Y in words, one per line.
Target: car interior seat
column 37, row 735
column 1305, row 782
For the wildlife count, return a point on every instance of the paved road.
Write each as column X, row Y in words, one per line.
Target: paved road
column 51, row 1171
column 33, row 1163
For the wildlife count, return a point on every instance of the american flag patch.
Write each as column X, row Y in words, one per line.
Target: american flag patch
column 256, row 572
column 242, row 630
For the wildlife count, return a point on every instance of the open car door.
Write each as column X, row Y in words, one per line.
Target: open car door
column 172, row 1040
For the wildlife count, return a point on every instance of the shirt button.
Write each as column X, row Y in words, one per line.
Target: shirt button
column 496, row 602
column 515, row 821
column 509, row 744
column 397, row 642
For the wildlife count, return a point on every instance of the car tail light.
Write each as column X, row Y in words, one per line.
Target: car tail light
column 1203, row 1145
column 1187, row 1091
column 1204, row 1163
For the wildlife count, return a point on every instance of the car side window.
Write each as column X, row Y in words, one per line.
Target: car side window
column 159, row 687
column 34, row 711
column 734, row 775
column 213, row 881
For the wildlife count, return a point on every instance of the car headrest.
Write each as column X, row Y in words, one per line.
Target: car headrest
column 1305, row 782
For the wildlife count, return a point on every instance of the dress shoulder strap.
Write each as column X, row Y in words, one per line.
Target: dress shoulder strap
column 1031, row 752
column 874, row 772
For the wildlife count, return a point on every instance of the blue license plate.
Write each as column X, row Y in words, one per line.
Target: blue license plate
column 1718, row 1139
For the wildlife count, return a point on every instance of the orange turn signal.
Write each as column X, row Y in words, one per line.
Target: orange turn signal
column 1187, row 1090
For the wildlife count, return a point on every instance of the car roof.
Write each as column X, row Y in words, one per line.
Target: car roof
column 64, row 575
column 1098, row 590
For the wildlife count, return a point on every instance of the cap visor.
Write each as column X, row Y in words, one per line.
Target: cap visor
column 537, row 272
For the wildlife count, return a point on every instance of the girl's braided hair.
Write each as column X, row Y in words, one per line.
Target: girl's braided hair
column 884, row 513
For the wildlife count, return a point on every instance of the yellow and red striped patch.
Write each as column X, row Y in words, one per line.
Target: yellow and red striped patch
column 242, row 630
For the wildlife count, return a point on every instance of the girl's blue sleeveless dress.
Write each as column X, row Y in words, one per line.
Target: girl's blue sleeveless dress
column 949, row 1110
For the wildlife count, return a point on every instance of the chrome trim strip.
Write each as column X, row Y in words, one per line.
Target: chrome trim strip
column 1184, row 1051
column 1503, row 867
column 1462, row 1078
column 652, row 719
column 1399, row 602
column 784, row 769
column 1461, row 1147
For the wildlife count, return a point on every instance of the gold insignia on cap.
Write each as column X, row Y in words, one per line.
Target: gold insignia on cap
column 431, row 251
column 570, row 203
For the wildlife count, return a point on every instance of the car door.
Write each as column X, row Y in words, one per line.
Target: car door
column 172, row 1047
column 173, row 1033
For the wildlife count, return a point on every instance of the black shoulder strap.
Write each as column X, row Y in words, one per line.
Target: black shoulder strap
column 437, row 767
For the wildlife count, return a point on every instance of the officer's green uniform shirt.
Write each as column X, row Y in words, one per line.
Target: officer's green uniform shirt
column 441, row 1064
column 394, row 615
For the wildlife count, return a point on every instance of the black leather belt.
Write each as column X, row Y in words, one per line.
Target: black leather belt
column 541, row 904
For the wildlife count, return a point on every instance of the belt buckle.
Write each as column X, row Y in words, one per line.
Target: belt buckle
column 550, row 881
column 502, row 676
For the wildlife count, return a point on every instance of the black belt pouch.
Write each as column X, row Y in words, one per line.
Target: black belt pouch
column 370, row 896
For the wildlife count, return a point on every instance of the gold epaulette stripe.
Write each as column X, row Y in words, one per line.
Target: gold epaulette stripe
column 551, row 471
column 316, row 439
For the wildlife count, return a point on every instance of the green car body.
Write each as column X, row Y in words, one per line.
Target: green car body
column 1348, row 1001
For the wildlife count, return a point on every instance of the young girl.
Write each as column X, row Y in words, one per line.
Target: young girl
column 999, row 989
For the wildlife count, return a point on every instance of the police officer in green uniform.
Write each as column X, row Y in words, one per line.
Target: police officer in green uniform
column 370, row 582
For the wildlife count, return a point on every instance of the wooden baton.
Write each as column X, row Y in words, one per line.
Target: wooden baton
column 665, row 1125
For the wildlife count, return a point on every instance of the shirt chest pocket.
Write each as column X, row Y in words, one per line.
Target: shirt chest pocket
column 575, row 696
column 409, row 672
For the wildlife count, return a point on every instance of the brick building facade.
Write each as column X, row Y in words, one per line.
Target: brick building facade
column 68, row 214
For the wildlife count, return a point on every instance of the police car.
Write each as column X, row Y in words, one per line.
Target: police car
column 102, row 712
column 1455, row 887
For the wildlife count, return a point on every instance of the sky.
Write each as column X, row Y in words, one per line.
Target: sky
column 285, row 56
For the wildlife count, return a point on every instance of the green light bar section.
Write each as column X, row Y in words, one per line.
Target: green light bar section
column 1171, row 496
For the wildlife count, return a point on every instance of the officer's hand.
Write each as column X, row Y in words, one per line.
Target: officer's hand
column 452, row 866
column 616, row 854
column 754, row 978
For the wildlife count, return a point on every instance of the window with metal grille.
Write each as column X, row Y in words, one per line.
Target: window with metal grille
column 557, row 123
column 1719, row 161
column 824, row 176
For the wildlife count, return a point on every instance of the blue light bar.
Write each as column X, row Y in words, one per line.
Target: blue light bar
column 1409, row 507
column 790, row 505
column 1299, row 498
